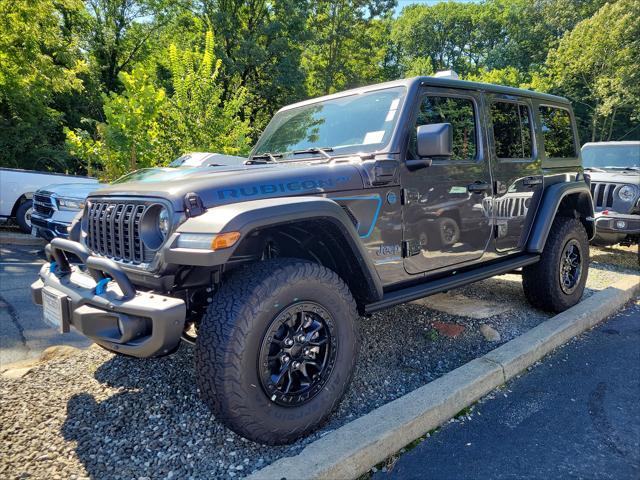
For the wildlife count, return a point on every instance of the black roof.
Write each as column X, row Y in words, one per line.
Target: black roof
column 441, row 82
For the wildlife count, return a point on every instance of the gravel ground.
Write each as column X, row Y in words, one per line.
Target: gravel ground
column 98, row 415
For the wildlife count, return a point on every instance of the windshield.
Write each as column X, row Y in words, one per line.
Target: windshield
column 188, row 160
column 354, row 123
column 611, row 156
column 142, row 174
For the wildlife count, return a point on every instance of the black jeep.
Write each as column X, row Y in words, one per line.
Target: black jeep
column 614, row 172
column 349, row 204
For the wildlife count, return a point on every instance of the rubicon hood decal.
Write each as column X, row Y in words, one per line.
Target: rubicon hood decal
column 229, row 185
column 295, row 186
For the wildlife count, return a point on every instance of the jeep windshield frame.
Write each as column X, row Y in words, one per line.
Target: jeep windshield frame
column 350, row 124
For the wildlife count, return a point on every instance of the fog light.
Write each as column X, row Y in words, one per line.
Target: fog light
column 621, row 224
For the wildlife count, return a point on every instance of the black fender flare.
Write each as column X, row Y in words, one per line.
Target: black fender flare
column 247, row 217
column 548, row 209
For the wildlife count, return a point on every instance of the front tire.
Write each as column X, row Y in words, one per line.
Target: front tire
column 23, row 216
column 557, row 281
column 276, row 349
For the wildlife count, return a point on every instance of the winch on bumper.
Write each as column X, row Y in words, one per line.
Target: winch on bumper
column 101, row 303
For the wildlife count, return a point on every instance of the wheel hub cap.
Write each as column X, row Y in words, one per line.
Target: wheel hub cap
column 570, row 267
column 297, row 354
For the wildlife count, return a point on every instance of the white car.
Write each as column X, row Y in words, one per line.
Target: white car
column 18, row 186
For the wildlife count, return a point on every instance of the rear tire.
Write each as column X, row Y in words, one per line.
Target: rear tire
column 255, row 329
column 23, row 216
column 557, row 281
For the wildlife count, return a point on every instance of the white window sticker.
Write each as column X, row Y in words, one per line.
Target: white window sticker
column 392, row 110
column 373, row 137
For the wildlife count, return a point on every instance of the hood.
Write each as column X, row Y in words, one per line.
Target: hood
column 231, row 184
column 72, row 190
column 615, row 176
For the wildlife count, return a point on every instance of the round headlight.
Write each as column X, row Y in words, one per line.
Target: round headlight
column 163, row 222
column 627, row 193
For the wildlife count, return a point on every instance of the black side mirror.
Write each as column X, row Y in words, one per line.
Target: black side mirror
column 435, row 140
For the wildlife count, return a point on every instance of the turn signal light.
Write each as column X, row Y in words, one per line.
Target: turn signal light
column 224, row 240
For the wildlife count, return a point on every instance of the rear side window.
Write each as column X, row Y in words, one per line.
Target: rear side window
column 557, row 133
column 511, row 130
column 460, row 113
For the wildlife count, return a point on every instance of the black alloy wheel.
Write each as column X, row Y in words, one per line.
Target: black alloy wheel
column 297, row 354
column 570, row 266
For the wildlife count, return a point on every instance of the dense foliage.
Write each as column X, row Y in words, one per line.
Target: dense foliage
column 105, row 86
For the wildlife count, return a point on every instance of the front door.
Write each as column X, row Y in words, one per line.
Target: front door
column 516, row 169
column 446, row 205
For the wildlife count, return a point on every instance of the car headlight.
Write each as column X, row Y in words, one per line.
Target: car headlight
column 155, row 226
column 70, row 203
column 163, row 222
column 627, row 193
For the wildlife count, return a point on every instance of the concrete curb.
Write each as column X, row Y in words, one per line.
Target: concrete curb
column 354, row 448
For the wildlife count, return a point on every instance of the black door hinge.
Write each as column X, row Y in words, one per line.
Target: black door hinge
column 410, row 248
column 409, row 195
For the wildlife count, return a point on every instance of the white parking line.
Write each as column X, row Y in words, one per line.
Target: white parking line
column 4, row 264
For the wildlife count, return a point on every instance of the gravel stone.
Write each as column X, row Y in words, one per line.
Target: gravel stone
column 489, row 333
column 97, row 415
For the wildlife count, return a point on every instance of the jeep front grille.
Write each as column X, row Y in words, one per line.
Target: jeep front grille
column 511, row 206
column 602, row 194
column 113, row 230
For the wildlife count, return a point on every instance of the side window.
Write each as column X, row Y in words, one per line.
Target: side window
column 511, row 130
column 460, row 113
column 557, row 133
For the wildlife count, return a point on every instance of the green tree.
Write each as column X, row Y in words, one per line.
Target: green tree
column 260, row 45
column 596, row 66
column 120, row 33
column 39, row 63
column 146, row 127
column 348, row 45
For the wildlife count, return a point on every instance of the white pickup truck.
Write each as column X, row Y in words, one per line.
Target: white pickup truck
column 17, row 188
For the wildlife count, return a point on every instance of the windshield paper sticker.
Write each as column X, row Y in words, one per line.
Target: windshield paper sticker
column 373, row 137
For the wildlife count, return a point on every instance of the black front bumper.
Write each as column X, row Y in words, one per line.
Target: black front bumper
column 119, row 318
column 618, row 223
column 49, row 229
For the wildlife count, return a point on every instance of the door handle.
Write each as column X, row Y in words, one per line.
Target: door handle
column 478, row 187
column 531, row 181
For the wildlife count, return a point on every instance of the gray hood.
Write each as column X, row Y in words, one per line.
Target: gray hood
column 223, row 185
column 615, row 176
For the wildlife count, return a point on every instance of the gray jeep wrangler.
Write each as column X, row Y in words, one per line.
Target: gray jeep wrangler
column 614, row 172
column 349, row 204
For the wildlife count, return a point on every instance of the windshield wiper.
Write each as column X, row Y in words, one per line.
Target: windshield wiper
column 271, row 157
column 633, row 169
column 322, row 150
column 594, row 169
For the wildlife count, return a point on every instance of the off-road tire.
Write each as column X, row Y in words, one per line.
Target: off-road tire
column 23, row 210
column 448, row 239
column 541, row 281
column 232, row 331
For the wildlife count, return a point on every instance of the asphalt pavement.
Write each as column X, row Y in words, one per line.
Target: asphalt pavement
column 576, row 415
column 23, row 333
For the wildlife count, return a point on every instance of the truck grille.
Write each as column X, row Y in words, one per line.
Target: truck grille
column 43, row 204
column 602, row 194
column 113, row 230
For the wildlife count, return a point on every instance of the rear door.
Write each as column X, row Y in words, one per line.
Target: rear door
column 516, row 168
column 445, row 205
